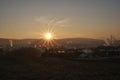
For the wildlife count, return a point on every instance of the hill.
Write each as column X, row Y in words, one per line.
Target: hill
column 71, row 42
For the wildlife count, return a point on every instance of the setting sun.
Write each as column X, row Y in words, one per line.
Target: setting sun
column 48, row 36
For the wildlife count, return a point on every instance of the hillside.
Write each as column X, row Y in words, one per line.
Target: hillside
column 77, row 42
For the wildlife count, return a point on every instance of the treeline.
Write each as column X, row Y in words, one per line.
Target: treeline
column 29, row 52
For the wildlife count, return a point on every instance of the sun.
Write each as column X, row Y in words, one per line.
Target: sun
column 48, row 36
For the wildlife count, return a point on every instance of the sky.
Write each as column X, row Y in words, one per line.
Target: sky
column 66, row 18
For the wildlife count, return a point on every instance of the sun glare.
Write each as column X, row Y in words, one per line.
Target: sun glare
column 48, row 36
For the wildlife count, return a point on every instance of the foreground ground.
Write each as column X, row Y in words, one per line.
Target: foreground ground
column 57, row 68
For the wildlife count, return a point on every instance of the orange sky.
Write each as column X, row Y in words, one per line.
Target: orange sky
column 67, row 18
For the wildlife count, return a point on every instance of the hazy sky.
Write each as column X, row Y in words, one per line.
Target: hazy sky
column 70, row 18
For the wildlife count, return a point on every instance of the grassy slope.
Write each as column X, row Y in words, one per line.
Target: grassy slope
column 54, row 68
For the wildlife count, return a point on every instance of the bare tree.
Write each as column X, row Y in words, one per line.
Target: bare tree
column 111, row 40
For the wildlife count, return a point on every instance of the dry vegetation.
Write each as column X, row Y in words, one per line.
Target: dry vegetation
column 14, row 67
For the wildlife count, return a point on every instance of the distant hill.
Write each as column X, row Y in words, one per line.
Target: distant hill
column 68, row 42
column 81, row 42
column 17, row 42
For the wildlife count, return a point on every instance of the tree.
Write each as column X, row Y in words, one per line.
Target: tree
column 111, row 40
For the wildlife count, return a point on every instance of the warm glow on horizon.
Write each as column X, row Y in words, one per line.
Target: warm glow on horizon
column 23, row 19
column 48, row 36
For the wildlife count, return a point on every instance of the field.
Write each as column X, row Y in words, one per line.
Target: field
column 58, row 68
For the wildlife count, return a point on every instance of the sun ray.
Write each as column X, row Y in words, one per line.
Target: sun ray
column 48, row 36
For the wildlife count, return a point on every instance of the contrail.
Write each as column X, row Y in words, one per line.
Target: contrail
column 54, row 22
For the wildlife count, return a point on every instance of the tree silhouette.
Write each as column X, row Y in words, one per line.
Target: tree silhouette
column 111, row 40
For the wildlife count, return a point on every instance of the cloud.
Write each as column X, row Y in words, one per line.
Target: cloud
column 53, row 21
column 41, row 19
column 62, row 21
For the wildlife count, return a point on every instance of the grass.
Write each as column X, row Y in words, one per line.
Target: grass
column 57, row 68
